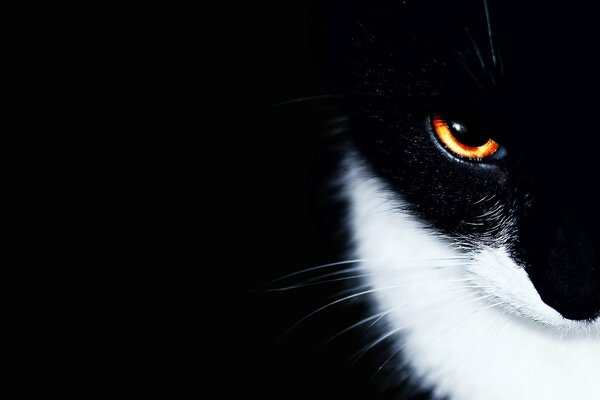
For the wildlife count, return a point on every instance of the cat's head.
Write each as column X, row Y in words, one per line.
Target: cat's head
column 478, row 124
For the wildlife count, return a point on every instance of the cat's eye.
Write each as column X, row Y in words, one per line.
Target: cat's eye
column 463, row 142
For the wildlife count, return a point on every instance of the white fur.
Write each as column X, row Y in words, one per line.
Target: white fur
column 470, row 324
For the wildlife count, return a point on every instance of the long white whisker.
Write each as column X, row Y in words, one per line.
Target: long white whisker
column 329, row 274
column 355, row 261
column 365, row 349
column 419, row 267
column 375, row 317
column 378, row 319
column 400, row 348
column 324, row 308
column 319, row 267
column 317, row 280
column 414, row 283
column 301, row 286
column 350, row 297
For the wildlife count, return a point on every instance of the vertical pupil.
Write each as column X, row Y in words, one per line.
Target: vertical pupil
column 466, row 136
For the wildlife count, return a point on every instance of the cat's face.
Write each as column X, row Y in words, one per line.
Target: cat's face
column 472, row 189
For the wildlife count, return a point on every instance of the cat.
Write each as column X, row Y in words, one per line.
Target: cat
column 463, row 184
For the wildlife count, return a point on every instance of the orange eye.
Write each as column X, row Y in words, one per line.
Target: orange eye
column 457, row 139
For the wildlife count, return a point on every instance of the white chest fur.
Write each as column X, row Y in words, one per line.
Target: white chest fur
column 470, row 325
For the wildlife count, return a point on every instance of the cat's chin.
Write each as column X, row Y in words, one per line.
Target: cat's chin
column 498, row 275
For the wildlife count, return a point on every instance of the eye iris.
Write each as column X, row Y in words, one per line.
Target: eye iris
column 460, row 141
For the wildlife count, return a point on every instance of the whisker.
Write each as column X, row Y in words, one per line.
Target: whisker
column 385, row 363
column 305, row 99
column 316, row 280
column 409, row 284
column 501, row 63
column 414, row 283
column 400, row 348
column 460, row 58
column 366, row 349
column 476, row 48
column 378, row 319
column 302, row 286
column 357, row 356
column 467, row 317
column 330, row 274
column 350, row 297
column 375, row 317
column 324, row 308
column 489, row 26
column 319, row 267
column 348, row 270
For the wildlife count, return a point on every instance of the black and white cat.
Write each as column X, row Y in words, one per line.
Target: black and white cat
column 468, row 173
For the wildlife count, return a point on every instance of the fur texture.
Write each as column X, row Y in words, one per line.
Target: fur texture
column 469, row 322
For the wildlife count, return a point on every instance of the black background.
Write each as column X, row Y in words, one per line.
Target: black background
column 280, row 233
column 279, row 143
